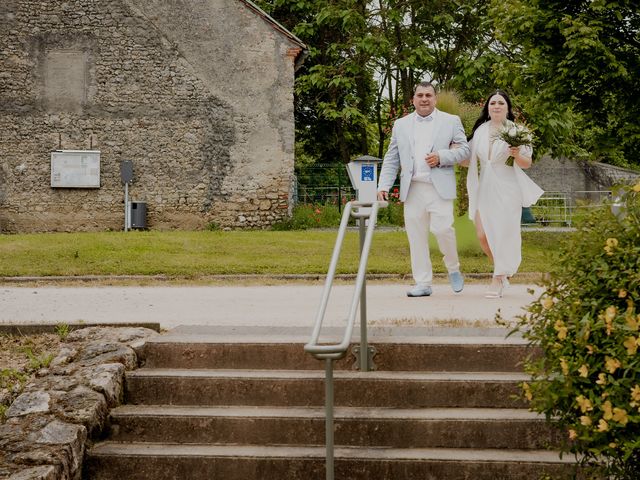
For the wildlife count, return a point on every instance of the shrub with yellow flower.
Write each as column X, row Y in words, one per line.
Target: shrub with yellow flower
column 591, row 390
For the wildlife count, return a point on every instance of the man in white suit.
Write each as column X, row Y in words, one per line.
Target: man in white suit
column 421, row 150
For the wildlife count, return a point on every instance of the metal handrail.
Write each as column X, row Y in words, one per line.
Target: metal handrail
column 335, row 351
column 338, row 350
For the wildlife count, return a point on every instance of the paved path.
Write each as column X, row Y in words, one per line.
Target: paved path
column 281, row 305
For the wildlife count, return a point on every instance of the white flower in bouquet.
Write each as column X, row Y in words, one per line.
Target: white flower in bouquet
column 515, row 136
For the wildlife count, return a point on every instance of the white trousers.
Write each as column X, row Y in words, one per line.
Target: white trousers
column 425, row 210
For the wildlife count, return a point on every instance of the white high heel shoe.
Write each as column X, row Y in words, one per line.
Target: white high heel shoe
column 504, row 283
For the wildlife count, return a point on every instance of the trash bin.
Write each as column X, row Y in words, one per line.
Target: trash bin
column 138, row 215
column 527, row 216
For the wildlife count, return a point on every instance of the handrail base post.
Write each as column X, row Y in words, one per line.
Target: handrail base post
column 371, row 352
column 328, row 399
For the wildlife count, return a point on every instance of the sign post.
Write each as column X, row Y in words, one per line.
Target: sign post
column 363, row 173
column 126, row 175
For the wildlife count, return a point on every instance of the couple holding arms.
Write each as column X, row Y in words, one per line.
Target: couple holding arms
column 424, row 148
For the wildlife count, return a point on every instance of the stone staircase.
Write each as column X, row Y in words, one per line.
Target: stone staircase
column 217, row 402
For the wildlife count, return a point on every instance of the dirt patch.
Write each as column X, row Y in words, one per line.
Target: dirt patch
column 21, row 358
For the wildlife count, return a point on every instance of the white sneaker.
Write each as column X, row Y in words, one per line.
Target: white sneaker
column 420, row 291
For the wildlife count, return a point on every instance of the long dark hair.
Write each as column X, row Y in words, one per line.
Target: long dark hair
column 484, row 116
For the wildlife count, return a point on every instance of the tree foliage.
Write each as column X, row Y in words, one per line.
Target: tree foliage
column 575, row 64
column 365, row 56
column 572, row 68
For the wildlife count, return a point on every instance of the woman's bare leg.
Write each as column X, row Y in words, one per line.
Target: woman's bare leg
column 496, row 281
column 482, row 237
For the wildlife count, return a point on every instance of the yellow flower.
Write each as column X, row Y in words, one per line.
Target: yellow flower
column 620, row 416
column 590, row 349
column 611, row 244
column 635, row 393
column 584, row 404
column 609, row 316
column 603, row 426
column 610, row 313
column 622, row 293
column 584, row 371
column 547, row 303
column 612, row 364
column 613, row 445
column 633, row 322
column 560, row 327
column 631, row 344
column 564, row 366
column 572, row 434
column 527, row 391
column 607, row 409
column 636, row 187
column 602, row 379
column 585, row 420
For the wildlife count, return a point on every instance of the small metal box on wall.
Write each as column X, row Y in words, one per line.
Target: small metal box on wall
column 75, row 169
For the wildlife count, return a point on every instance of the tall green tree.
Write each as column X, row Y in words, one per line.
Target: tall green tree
column 575, row 65
column 335, row 84
column 443, row 41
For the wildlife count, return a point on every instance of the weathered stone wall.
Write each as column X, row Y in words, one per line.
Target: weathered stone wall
column 559, row 175
column 199, row 95
column 48, row 425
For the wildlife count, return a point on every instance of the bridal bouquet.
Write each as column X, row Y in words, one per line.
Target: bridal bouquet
column 515, row 136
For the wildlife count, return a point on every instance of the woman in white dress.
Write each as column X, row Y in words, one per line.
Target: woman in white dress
column 498, row 193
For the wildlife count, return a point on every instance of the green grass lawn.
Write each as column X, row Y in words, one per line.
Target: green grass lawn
column 201, row 253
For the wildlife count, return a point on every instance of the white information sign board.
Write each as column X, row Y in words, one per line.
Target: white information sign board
column 75, row 169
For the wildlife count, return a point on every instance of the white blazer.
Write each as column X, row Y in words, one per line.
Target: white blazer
column 447, row 130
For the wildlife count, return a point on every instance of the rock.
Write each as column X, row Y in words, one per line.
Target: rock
column 45, row 472
column 84, row 406
column 98, row 353
column 30, row 402
column 58, row 433
column 65, row 356
column 107, row 379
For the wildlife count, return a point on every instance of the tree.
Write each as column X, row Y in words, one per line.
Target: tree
column 335, row 84
column 573, row 65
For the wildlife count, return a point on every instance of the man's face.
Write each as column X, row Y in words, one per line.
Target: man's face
column 424, row 100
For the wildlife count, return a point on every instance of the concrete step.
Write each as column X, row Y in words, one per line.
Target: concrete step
column 306, row 388
column 396, row 349
column 117, row 461
column 397, row 428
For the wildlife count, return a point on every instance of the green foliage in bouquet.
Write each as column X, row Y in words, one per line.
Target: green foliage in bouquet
column 587, row 324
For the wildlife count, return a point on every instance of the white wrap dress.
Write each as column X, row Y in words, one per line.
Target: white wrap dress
column 497, row 192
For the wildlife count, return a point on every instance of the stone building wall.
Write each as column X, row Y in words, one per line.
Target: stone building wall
column 578, row 179
column 197, row 94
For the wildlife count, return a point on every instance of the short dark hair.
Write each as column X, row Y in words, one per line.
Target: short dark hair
column 424, row 84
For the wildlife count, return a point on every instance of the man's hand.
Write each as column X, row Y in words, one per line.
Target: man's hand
column 383, row 195
column 433, row 159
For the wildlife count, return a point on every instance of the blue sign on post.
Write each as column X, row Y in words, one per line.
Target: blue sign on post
column 367, row 173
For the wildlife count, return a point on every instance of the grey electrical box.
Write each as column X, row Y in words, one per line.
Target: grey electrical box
column 138, row 215
column 126, row 171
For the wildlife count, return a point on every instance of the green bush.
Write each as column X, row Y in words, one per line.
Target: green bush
column 587, row 325
column 328, row 216
column 306, row 216
column 393, row 214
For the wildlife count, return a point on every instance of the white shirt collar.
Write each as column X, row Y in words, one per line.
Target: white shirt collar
column 428, row 118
